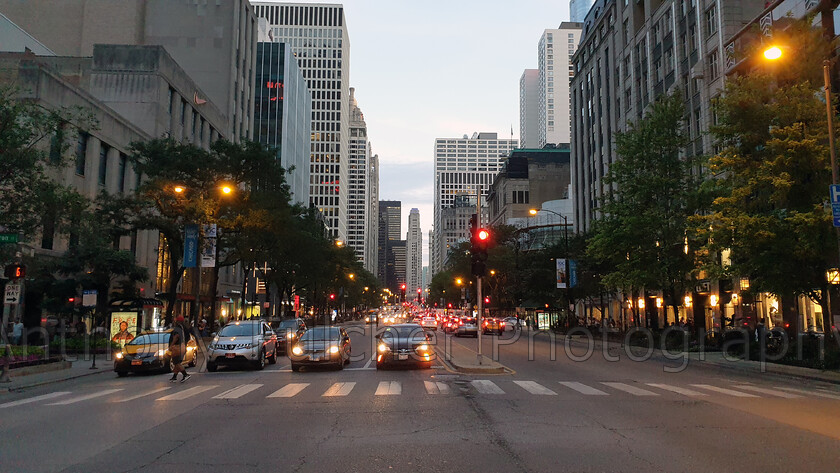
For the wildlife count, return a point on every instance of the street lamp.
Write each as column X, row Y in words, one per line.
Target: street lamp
column 534, row 213
column 339, row 243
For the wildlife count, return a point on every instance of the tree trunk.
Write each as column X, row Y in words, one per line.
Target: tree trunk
column 790, row 316
column 175, row 274
column 214, row 292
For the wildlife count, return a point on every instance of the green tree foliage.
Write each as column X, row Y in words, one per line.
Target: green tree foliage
column 641, row 236
column 772, row 174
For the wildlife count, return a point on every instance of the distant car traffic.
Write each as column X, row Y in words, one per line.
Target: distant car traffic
column 404, row 344
column 493, row 325
column 321, row 346
column 288, row 333
column 244, row 342
column 511, row 323
column 467, row 327
column 149, row 351
column 428, row 322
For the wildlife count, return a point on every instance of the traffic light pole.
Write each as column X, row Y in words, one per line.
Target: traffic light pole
column 479, row 298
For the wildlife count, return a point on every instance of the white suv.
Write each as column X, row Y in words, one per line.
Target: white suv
column 244, row 342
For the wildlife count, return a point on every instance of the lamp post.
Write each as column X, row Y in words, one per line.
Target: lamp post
column 569, row 298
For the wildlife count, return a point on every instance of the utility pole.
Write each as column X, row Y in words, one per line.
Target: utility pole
column 479, row 298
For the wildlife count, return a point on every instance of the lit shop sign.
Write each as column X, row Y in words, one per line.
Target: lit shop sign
column 275, row 85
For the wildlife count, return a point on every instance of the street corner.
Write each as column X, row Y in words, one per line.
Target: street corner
column 468, row 363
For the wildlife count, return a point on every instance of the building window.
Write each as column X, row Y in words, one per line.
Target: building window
column 713, row 65
column 103, row 163
column 121, row 173
column 711, row 21
column 81, row 152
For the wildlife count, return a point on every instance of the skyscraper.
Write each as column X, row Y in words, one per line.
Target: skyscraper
column 372, row 231
column 529, row 108
column 463, row 166
column 390, row 214
column 555, row 52
column 414, row 255
column 358, row 212
column 317, row 34
column 578, row 9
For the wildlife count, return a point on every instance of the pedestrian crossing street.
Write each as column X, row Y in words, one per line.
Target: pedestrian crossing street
column 383, row 389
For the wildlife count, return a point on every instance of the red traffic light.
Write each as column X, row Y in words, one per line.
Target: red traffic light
column 15, row 271
column 450, row 305
column 402, row 287
column 71, row 299
column 418, row 290
column 483, row 235
column 486, row 300
column 332, row 297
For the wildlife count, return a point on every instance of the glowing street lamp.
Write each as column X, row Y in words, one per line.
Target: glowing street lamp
column 772, row 53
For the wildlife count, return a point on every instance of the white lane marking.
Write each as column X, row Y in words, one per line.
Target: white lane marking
column 289, row 390
column 813, row 393
column 535, row 388
column 187, row 393
column 729, row 392
column 583, row 389
column 42, row 397
column 771, row 392
column 485, row 386
column 360, row 369
column 85, row 397
column 238, row 391
column 339, row 389
column 436, row 387
column 389, row 388
column 678, row 390
column 367, row 365
column 630, row 389
column 147, row 393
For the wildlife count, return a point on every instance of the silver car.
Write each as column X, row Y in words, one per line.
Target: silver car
column 468, row 327
column 242, row 343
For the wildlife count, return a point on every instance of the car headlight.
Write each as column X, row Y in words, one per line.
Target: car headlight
column 161, row 352
column 423, row 347
column 383, row 348
column 119, row 356
column 290, row 335
column 333, row 349
column 297, row 350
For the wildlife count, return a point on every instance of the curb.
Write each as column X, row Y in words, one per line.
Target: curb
column 51, row 381
column 453, row 366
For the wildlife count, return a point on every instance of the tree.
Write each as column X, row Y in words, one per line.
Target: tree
column 770, row 178
column 642, row 235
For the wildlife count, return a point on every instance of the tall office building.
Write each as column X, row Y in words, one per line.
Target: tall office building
column 396, row 261
column 372, row 231
column 318, row 36
column 390, row 214
column 555, row 52
column 282, row 110
column 414, row 255
column 529, row 108
column 463, row 166
column 578, row 9
column 358, row 156
column 213, row 42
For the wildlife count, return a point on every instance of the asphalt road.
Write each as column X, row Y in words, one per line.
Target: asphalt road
column 560, row 415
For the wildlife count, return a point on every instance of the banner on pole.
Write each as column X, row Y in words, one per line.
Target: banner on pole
column 562, row 279
column 572, row 273
column 208, row 249
column 190, row 245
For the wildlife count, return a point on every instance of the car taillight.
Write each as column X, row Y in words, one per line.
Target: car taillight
column 502, row 324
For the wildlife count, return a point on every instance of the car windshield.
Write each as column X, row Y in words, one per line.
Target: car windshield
column 241, row 330
column 404, row 332
column 150, row 339
column 288, row 324
column 321, row 333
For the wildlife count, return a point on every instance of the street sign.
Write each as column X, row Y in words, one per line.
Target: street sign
column 834, row 194
column 12, row 296
column 8, row 237
column 89, row 297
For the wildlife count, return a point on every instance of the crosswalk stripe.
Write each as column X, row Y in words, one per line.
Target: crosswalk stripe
column 147, row 393
column 238, row 391
column 772, row 392
column 813, row 393
column 42, row 397
column 485, row 386
column 289, row 390
column 187, row 393
column 340, row 389
column 389, row 388
column 433, row 387
column 583, row 389
column 85, row 397
column 678, row 390
column 630, row 389
column 729, row 392
column 535, row 388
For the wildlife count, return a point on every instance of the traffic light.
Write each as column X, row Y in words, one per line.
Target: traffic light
column 486, row 300
column 479, row 244
column 332, row 297
column 15, row 271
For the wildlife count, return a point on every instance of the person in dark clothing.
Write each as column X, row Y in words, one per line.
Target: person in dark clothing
column 177, row 347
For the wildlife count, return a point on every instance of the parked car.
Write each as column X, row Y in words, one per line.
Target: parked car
column 321, row 346
column 288, row 333
column 243, row 342
column 404, row 344
column 149, row 351
column 467, row 326
column 493, row 325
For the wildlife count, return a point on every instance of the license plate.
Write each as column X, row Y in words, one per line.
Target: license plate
column 230, row 355
column 136, row 362
column 402, row 357
column 315, row 357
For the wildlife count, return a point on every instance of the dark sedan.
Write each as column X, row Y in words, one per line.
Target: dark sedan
column 321, row 346
column 404, row 344
column 288, row 333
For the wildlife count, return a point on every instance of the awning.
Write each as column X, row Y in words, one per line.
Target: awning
column 136, row 303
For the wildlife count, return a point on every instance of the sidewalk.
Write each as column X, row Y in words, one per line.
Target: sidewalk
column 77, row 369
column 451, row 352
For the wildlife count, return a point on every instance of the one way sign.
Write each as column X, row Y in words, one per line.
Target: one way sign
column 834, row 193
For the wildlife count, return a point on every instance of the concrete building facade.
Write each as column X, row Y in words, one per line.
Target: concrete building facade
column 414, row 255
column 390, row 216
column 455, row 223
column 554, row 62
column 213, row 42
column 465, row 165
column 358, row 206
column 578, row 10
column 282, row 111
column 372, row 230
column 317, row 34
column 529, row 108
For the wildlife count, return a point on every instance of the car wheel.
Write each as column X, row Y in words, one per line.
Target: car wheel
column 340, row 365
column 380, row 366
column 122, row 374
column 194, row 360
column 211, row 367
column 260, row 363
column 170, row 365
column 273, row 359
column 295, row 368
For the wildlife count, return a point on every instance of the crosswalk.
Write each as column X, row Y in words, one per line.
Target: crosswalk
column 383, row 389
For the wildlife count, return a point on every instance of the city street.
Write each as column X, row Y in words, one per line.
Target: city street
column 543, row 416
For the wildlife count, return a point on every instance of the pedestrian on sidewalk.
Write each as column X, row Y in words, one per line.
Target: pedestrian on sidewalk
column 17, row 332
column 177, row 347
